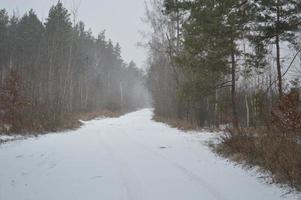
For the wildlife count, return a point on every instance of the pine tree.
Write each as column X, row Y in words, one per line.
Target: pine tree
column 12, row 45
column 4, row 20
column 276, row 21
column 211, row 38
column 58, row 33
column 236, row 19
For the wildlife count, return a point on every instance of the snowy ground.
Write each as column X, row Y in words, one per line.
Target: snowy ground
column 7, row 138
column 126, row 158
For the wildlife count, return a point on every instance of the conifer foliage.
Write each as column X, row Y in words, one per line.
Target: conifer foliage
column 51, row 70
column 224, row 60
column 229, row 64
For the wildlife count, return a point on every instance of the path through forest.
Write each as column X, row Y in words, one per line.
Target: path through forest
column 130, row 158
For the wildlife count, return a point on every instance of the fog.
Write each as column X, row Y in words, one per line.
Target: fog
column 55, row 66
column 122, row 81
column 121, row 19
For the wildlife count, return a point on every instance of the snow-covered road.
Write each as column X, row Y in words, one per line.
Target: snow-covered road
column 126, row 158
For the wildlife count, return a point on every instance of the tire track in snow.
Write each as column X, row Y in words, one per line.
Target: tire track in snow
column 126, row 174
column 192, row 176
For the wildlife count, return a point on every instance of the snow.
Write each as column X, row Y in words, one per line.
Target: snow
column 126, row 158
column 6, row 138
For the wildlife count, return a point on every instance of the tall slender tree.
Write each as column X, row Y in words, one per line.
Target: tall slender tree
column 277, row 21
column 212, row 32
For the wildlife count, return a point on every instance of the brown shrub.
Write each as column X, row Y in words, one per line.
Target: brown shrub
column 98, row 113
column 287, row 115
column 275, row 147
column 177, row 123
column 278, row 154
column 12, row 103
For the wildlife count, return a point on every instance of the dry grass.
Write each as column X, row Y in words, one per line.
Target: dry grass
column 71, row 121
column 39, row 126
column 100, row 113
column 184, row 125
column 275, row 147
column 274, row 152
column 176, row 123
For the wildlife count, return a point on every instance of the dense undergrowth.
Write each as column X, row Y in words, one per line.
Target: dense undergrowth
column 69, row 121
column 275, row 147
column 277, row 154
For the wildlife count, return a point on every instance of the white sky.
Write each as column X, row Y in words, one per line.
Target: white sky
column 120, row 18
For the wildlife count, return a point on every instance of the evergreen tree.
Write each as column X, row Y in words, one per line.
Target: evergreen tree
column 4, row 20
column 12, row 37
column 276, row 21
column 58, row 32
column 64, row 70
column 211, row 38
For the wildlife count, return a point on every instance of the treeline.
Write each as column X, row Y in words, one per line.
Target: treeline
column 52, row 70
column 226, row 62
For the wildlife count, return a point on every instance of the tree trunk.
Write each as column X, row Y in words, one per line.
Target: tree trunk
column 178, row 25
column 233, row 92
column 248, row 111
column 279, row 74
column 121, row 95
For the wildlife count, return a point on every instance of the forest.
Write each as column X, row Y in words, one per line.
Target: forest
column 233, row 65
column 220, row 88
column 53, row 71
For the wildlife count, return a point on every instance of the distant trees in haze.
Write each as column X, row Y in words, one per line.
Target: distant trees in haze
column 62, row 69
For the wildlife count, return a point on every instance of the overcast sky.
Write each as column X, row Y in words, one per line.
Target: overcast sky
column 120, row 18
